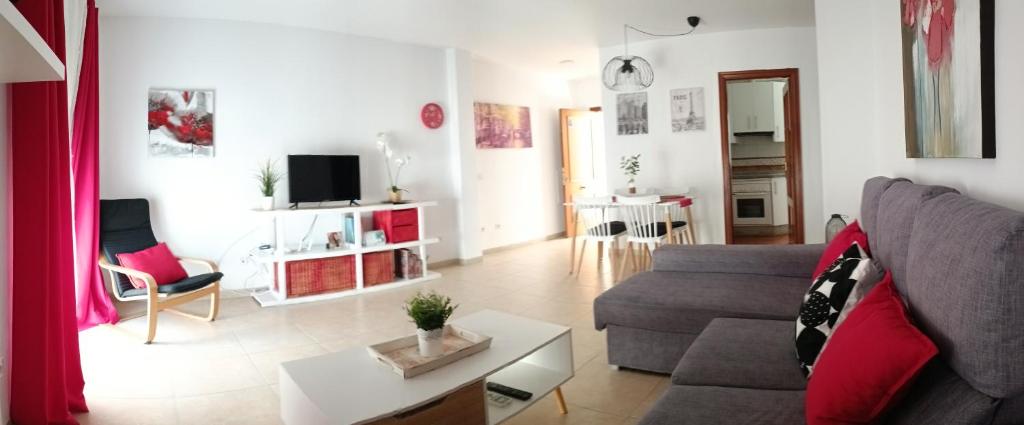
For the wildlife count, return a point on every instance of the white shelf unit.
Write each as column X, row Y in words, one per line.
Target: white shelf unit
column 24, row 55
column 281, row 255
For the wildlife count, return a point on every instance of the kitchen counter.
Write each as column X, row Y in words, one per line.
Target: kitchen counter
column 758, row 168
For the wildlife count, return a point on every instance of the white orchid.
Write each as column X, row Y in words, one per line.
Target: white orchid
column 384, row 146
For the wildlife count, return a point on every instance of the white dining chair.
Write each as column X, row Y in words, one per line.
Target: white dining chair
column 598, row 218
column 649, row 224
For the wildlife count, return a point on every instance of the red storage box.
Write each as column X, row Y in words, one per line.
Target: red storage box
column 398, row 225
column 319, row 275
column 378, row 268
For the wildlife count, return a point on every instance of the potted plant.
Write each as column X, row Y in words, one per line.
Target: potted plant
column 384, row 146
column 429, row 312
column 630, row 165
column 268, row 176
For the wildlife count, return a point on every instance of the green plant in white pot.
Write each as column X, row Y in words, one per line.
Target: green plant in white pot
column 268, row 177
column 630, row 166
column 429, row 312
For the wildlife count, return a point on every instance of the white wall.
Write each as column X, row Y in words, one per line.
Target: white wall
column 462, row 142
column 676, row 160
column 862, row 108
column 520, row 190
column 279, row 91
column 5, row 323
column 585, row 92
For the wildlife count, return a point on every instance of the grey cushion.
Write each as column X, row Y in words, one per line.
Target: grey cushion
column 190, row 283
column 743, row 353
column 938, row 396
column 784, row 260
column 870, row 196
column 965, row 288
column 686, row 302
column 690, row 405
column 897, row 209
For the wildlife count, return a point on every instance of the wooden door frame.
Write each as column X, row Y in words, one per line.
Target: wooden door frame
column 563, row 118
column 794, row 171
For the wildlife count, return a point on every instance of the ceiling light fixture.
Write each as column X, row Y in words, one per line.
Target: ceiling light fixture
column 633, row 73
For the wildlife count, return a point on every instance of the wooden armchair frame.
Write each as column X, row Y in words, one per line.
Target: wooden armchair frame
column 156, row 302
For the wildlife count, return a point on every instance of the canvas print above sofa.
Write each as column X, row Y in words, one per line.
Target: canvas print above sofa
column 948, row 78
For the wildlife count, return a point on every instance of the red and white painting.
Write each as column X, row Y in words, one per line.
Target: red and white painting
column 180, row 123
column 502, row 126
column 948, row 78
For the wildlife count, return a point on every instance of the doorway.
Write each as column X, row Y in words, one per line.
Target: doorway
column 761, row 154
column 582, row 141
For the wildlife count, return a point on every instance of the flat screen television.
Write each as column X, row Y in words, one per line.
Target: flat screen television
column 323, row 178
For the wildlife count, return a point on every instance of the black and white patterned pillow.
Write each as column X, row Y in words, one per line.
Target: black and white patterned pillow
column 825, row 301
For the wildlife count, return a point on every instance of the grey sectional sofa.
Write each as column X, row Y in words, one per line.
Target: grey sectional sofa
column 720, row 319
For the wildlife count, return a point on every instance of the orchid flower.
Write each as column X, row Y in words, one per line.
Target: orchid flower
column 384, row 146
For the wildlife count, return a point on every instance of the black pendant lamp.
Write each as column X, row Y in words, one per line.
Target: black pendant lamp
column 634, row 73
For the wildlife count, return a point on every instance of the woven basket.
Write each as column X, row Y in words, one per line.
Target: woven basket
column 320, row 275
column 378, row 268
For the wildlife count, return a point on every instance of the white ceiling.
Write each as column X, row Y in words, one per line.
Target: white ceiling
column 537, row 34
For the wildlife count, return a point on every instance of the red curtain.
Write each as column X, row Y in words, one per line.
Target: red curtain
column 94, row 305
column 46, row 372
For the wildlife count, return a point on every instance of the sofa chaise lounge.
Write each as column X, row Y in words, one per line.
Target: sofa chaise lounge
column 720, row 319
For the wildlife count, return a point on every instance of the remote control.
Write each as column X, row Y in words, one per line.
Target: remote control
column 509, row 391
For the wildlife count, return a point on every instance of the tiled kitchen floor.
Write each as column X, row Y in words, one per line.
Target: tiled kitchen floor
column 225, row 372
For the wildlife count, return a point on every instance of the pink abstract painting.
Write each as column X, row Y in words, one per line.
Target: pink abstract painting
column 948, row 78
column 502, row 126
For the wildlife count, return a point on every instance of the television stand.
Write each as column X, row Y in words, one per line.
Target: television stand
column 361, row 218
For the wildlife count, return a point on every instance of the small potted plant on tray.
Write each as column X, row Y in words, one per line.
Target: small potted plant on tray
column 430, row 311
column 268, row 176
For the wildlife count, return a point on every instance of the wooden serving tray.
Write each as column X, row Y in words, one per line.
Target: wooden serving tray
column 403, row 354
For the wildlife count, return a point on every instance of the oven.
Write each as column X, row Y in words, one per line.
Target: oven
column 752, row 202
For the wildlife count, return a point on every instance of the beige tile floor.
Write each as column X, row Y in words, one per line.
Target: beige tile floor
column 225, row 372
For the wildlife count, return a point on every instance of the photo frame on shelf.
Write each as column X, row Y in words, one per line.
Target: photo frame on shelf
column 374, row 238
column 334, row 240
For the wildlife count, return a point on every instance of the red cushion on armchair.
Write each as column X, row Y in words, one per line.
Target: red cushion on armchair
column 158, row 261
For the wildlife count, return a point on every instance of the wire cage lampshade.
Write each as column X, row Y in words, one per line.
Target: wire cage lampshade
column 630, row 72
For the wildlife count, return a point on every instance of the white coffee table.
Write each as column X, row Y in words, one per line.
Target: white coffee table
column 351, row 387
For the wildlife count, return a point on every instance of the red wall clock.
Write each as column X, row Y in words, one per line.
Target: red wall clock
column 432, row 115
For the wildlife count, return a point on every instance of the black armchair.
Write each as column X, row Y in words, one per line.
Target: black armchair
column 125, row 227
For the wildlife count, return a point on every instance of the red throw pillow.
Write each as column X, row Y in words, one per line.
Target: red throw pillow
column 158, row 261
column 846, row 237
column 869, row 362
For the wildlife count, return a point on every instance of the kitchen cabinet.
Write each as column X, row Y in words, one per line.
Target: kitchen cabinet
column 780, row 201
column 778, row 91
column 752, row 106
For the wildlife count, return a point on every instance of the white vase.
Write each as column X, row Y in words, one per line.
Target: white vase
column 267, row 203
column 431, row 342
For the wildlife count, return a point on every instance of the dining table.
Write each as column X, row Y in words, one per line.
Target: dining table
column 668, row 202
